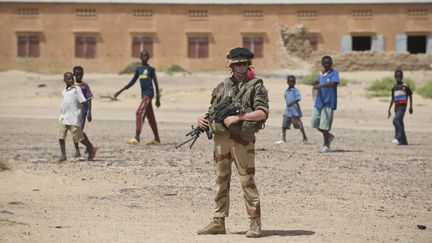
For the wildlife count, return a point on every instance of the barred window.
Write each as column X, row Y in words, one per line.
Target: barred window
column 198, row 47
column 85, row 13
column 28, row 12
column 197, row 14
column 28, row 46
column 255, row 44
column 141, row 43
column 145, row 14
column 362, row 14
column 418, row 13
column 252, row 14
column 85, row 46
column 305, row 14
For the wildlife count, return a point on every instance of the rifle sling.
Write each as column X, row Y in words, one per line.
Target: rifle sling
column 243, row 89
column 246, row 86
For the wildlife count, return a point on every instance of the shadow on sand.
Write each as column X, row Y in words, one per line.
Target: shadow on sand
column 346, row 151
column 268, row 233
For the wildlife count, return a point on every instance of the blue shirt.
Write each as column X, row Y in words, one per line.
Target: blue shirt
column 327, row 96
column 146, row 75
column 292, row 95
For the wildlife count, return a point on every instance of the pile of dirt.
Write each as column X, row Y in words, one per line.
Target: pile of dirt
column 295, row 51
column 372, row 60
column 295, row 40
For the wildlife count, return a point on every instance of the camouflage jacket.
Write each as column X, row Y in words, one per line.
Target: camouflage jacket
column 252, row 95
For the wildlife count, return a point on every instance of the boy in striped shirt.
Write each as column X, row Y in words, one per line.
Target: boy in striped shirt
column 399, row 96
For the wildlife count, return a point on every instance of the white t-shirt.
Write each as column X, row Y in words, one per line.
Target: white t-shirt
column 70, row 106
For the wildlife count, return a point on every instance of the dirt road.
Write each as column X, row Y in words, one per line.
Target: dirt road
column 366, row 190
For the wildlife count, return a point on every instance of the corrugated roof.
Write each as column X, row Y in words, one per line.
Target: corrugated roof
column 214, row 2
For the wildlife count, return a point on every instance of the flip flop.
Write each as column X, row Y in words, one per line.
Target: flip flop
column 154, row 142
column 133, row 141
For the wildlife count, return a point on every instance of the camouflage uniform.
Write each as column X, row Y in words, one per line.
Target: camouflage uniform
column 237, row 143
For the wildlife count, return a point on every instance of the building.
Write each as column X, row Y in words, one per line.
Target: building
column 105, row 36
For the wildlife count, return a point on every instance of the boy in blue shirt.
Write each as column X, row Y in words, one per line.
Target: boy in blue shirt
column 147, row 76
column 325, row 101
column 292, row 114
column 399, row 96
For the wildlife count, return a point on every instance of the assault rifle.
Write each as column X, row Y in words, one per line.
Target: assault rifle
column 227, row 107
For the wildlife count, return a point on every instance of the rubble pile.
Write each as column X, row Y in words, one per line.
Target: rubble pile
column 295, row 51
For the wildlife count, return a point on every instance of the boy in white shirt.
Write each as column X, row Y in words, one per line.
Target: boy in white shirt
column 70, row 117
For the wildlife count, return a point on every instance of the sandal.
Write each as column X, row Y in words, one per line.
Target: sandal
column 153, row 142
column 133, row 141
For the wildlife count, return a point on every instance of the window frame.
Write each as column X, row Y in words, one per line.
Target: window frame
column 144, row 39
column 361, row 36
column 410, row 37
column 313, row 39
column 198, row 46
column 25, row 50
column 254, row 39
column 87, row 53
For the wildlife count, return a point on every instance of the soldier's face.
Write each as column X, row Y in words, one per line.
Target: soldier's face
column 240, row 67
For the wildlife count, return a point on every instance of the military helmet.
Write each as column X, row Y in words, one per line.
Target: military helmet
column 239, row 54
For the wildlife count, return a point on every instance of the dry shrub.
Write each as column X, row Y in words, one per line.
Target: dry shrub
column 426, row 90
column 4, row 164
column 382, row 87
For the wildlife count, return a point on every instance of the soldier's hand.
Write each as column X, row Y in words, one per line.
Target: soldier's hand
column 389, row 114
column 89, row 117
column 203, row 122
column 231, row 120
column 158, row 102
column 410, row 110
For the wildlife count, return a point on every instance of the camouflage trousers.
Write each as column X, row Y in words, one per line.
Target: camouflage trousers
column 226, row 150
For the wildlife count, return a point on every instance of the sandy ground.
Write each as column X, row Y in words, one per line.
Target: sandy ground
column 367, row 190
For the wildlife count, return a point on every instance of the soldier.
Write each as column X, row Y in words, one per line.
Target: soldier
column 235, row 140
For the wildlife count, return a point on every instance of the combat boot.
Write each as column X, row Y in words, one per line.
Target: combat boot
column 255, row 228
column 217, row 226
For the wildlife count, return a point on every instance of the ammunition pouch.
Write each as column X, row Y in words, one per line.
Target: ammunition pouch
column 249, row 128
column 218, row 128
column 246, row 129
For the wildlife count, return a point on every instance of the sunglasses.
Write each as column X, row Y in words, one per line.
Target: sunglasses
column 239, row 64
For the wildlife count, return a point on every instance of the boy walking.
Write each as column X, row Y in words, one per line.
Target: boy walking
column 70, row 117
column 292, row 114
column 146, row 75
column 399, row 96
column 78, row 72
column 325, row 102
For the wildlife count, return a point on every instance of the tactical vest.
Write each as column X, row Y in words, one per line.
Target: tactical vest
column 245, row 96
